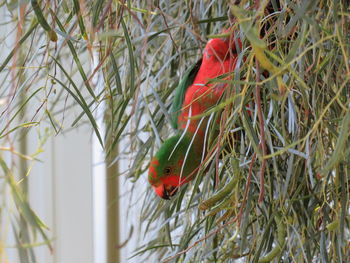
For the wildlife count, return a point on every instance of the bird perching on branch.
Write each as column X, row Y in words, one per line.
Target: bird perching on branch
column 179, row 158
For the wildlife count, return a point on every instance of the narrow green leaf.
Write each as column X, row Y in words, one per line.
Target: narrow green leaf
column 118, row 82
column 42, row 20
column 75, row 57
column 82, row 104
column 19, row 110
column 342, row 141
column 33, row 26
column 80, row 18
column 23, row 205
column 131, row 59
column 22, row 125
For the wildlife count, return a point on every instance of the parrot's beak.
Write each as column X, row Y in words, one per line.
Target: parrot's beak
column 165, row 191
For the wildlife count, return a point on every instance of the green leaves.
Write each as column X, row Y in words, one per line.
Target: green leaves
column 80, row 100
column 42, row 20
column 143, row 51
column 341, row 144
column 23, row 206
column 306, row 128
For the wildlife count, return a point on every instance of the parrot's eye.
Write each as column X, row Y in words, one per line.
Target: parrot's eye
column 167, row 171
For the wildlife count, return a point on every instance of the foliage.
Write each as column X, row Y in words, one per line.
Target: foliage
column 275, row 183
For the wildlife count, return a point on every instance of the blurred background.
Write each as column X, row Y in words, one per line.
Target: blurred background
column 57, row 204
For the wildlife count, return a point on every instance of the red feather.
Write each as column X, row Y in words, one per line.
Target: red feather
column 218, row 59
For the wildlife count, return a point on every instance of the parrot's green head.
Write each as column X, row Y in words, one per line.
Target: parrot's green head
column 174, row 164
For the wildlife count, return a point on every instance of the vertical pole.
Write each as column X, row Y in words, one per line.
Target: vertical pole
column 112, row 192
column 25, row 254
column 23, row 149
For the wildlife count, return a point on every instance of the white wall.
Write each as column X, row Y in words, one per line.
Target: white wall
column 60, row 191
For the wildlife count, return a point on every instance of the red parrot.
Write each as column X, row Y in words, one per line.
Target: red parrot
column 179, row 158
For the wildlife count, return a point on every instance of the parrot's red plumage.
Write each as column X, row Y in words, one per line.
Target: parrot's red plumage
column 217, row 59
column 179, row 158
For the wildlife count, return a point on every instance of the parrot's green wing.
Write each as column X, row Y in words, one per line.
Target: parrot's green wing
column 180, row 91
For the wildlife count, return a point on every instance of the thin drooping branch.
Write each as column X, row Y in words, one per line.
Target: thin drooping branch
column 246, row 190
column 262, row 133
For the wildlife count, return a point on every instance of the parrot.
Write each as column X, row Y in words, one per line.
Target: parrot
column 179, row 157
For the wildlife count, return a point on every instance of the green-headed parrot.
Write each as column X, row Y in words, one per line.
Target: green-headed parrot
column 179, row 158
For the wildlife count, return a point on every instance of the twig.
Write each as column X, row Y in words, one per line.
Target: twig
column 200, row 240
column 247, row 185
column 262, row 133
column 167, row 26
